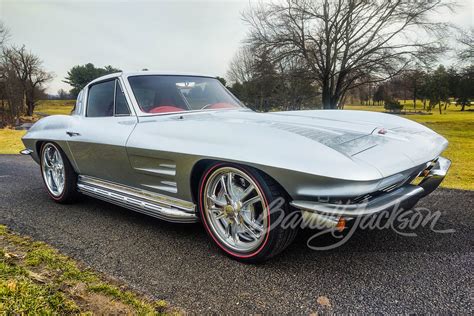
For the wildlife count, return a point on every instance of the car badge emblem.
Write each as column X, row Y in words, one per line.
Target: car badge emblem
column 382, row 131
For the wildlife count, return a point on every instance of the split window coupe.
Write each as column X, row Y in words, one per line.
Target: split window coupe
column 182, row 148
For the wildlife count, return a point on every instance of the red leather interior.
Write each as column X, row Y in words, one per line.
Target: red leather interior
column 221, row 105
column 165, row 109
column 170, row 107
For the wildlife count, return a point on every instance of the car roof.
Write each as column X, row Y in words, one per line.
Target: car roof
column 149, row 73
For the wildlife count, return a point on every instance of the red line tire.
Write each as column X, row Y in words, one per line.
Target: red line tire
column 69, row 193
column 272, row 239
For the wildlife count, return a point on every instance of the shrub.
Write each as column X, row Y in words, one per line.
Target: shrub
column 393, row 105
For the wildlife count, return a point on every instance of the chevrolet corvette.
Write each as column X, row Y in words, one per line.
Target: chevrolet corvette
column 182, row 148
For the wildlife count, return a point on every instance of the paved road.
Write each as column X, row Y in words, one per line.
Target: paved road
column 376, row 271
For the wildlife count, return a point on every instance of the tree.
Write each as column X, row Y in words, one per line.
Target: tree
column 22, row 79
column 392, row 105
column 263, row 84
column 79, row 76
column 412, row 81
column 12, row 94
column 25, row 68
column 345, row 44
column 241, row 68
column 222, row 80
column 438, row 88
column 4, row 34
column 380, row 94
column 63, row 94
column 464, row 89
column 466, row 50
column 265, row 81
column 295, row 89
column 255, row 78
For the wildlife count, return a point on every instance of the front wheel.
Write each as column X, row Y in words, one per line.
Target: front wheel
column 58, row 175
column 241, row 209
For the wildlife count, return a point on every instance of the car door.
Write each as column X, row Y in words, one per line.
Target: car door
column 98, row 136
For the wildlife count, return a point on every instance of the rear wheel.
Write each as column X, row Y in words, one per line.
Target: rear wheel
column 240, row 208
column 58, row 175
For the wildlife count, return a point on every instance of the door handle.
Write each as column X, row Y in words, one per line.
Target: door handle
column 71, row 134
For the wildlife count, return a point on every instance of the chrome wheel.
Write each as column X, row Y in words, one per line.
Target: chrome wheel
column 52, row 166
column 235, row 209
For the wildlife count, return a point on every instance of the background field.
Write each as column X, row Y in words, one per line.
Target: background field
column 456, row 126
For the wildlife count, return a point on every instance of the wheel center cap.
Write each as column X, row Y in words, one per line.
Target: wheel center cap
column 229, row 210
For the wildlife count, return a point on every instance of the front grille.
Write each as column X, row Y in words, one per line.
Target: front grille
column 415, row 173
column 411, row 177
column 370, row 196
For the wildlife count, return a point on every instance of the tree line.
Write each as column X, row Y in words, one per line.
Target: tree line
column 318, row 53
column 434, row 88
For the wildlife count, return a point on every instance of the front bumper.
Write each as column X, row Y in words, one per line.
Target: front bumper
column 404, row 197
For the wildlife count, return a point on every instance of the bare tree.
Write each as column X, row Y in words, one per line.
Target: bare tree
column 466, row 41
column 242, row 65
column 11, row 93
column 4, row 34
column 63, row 94
column 345, row 44
column 296, row 88
column 28, row 70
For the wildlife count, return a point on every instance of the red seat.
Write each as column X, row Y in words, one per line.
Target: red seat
column 165, row 109
column 221, row 105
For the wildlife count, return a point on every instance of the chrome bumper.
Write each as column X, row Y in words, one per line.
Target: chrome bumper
column 404, row 197
column 435, row 175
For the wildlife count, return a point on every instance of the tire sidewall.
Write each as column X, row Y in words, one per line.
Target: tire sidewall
column 267, row 245
column 67, row 173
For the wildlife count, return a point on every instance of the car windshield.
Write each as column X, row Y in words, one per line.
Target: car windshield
column 164, row 94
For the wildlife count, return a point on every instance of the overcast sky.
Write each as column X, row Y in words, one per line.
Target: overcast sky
column 181, row 35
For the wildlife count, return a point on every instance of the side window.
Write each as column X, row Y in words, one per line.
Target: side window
column 79, row 102
column 121, row 106
column 100, row 101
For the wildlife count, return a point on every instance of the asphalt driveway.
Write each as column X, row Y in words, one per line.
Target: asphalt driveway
column 375, row 271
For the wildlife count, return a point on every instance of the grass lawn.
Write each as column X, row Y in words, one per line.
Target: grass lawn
column 55, row 106
column 10, row 141
column 51, row 107
column 456, row 126
column 36, row 279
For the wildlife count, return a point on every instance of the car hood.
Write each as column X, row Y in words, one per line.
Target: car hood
column 370, row 136
column 333, row 143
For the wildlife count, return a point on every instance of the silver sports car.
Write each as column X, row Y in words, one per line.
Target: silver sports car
column 182, row 148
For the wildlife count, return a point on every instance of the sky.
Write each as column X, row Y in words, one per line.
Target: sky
column 181, row 35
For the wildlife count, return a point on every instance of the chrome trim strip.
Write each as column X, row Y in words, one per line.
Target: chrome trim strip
column 161, row 171
column 150, row 203
column 164, row 187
